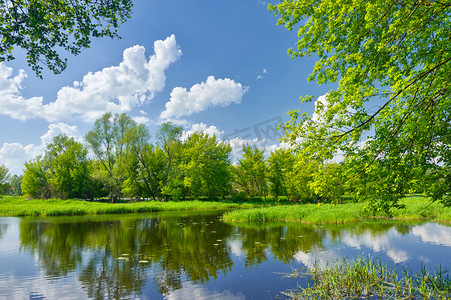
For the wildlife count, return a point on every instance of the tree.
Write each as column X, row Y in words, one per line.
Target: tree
column 35, row 181
column 169, row 140
column 280, row 168
column 206, row 166
column 3, row 178
column 68, row 167
column 108, row 142
column 63, row 172
column 250, row 175
column 43, row 28
column 392, row 62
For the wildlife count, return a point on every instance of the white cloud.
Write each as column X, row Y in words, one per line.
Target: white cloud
column 260, row 76
column 141, row 120
column 201, row 127
column 213, row 92
column 114, row 89
column 119, row 88
column 11, row 101
column 14, row 155
column 433, row 233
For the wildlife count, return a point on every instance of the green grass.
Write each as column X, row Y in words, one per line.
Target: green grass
column 368, row 278
column 417, row 208
column 19, row 206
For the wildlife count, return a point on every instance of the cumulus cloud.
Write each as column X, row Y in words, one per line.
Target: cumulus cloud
column 14, row 155
column 11, row 101
column 114, row 89
column 201, row 127
column 213, row 92
column 119, row 88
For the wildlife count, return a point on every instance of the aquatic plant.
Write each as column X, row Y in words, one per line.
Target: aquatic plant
column 368, row 278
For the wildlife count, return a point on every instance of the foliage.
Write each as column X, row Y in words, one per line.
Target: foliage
column 250, row 175
column 205, row 166
column 35, row 179
column 63, row 171
column 391, row 60
column 3, row 178
column 68, row 167
column 108, row 142
column 43, row 28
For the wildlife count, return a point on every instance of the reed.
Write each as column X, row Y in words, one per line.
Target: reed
column 368, row 278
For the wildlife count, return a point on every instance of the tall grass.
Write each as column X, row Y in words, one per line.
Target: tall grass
column 19, row 206
column 417, row 208
column 368, row 278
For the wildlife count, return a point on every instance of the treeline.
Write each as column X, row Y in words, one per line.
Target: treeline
column 127, row 164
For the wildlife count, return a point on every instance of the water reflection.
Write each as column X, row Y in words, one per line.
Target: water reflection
column 180, row 255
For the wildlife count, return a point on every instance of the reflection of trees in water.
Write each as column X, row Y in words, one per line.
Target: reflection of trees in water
column 3, row 228
column 178, row 248
column 282, row 240
column 172, row 245
column 375, row 229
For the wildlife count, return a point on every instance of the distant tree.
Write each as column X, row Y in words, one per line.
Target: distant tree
column 206, row 166
column 4, row 178
column 250, row 174
column 68, row 172
column 35, row 179
column 15, row 183
column 169, row 141
column 107, row 141
column 328, row 182
column 43, row 28
column 144, row 164
column 63, row 172
column 280, row 168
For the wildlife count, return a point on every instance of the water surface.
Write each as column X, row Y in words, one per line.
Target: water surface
column 191, row 255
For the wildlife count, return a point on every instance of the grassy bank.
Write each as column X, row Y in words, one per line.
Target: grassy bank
column 19, row 206
column 417, row 208
column 368, row 278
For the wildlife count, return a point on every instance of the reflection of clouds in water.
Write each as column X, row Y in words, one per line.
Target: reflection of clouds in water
column 433, row 233
column 377, row 244
column 236, row 247
column 320, row 258
column 41, row 288
column 191, row 291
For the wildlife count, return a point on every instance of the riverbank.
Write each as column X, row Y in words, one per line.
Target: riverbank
column 20, row 206
column 417, row 208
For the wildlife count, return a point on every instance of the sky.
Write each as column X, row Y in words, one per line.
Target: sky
column 216, row 66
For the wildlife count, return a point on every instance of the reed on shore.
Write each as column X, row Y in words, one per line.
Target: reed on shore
column 368, row 278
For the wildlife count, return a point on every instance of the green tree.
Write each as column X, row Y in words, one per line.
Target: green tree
column 250, row 174
column 68, row 167
column 391, row 60
column 43, row 28
column 280, row 168
column 35, row 179
column 206, row 166
column 4, row 178
column 144, row 164
column 328, row 183
column 15, row 183
column 169, row 141
column 108, row 142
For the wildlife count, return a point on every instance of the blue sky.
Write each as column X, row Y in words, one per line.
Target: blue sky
column 219, row 66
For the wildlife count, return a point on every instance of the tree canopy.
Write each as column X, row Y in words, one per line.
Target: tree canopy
column 43, row 28
column 391, row 60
